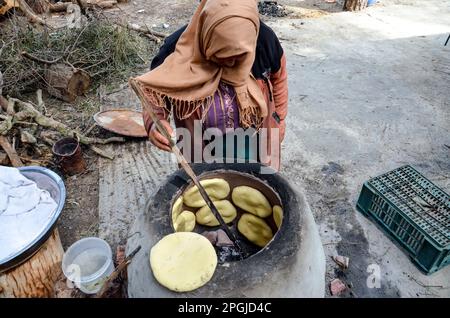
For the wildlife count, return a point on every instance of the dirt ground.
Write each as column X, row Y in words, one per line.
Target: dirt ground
column 329, row 156
column 80, row 215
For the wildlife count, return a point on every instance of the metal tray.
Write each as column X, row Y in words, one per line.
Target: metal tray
column 47, row 180
column 124, row 122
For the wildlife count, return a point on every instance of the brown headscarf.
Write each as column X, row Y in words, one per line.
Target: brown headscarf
column 189, row 77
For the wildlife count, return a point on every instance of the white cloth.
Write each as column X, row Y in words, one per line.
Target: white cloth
column 25, row 211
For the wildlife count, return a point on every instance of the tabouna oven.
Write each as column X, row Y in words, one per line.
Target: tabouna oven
column 291, row 264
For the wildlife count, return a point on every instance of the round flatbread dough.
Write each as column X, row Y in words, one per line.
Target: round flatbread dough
column 183, row 261
column 277, row 215
column 255, row 229
column 216, row 188
column 205, row 216
column 185, row 222
column 251, row 200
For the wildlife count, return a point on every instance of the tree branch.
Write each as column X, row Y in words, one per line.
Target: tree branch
column 36, row 59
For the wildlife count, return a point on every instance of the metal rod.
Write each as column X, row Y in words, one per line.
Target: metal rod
column 184, row 164
column 117, row 272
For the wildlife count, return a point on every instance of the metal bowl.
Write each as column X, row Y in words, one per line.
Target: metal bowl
column 46, row 180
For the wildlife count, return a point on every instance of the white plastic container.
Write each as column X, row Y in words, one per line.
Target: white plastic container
column 88, row 263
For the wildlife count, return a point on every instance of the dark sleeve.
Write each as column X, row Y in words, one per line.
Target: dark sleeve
column 268, row 52
column 167, row 48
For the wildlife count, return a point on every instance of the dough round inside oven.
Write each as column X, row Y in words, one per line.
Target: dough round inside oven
column 177, row 208
column 277, row 215
column 185, row 222
column 251, row 200
column 216, row 188
column 226, row 209
column 255, row 229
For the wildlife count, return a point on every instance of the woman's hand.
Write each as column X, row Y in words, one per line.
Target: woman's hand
column 157, row 139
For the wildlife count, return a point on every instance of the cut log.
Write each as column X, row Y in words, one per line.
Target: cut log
column 355, row 5
column 138, row 28
column 39, row 6
column 4, row 159
column 65, row 82
column 12, row 154
column 37, row 276
column 59, row 6
column 106, row 4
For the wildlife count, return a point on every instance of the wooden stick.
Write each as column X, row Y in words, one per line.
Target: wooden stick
column 427, row 286
column 39, row 161
column 82, row 7
column 117, row 272
column 183, row 162
column 106, row 4
column 29, row 13
column 30, row 112
column 40, row 101
column 12, row 154
column 59, row 6
column 6, row 125
column 3, row 103
column 142, row 30
column 88, row 131
column 102, row 152
column 36, row 59
column 155, row 33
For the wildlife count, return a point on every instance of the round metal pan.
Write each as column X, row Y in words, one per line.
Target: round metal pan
column 50, row 181
column 124, row 122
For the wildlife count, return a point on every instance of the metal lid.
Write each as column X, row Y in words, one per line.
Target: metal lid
column 125, row 122
column 16, row 246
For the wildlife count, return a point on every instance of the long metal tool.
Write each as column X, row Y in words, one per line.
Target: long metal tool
column 184, row 164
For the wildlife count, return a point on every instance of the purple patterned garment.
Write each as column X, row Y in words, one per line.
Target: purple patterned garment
column 224, row 113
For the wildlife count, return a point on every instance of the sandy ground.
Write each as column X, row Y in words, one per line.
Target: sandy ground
column 368, row 93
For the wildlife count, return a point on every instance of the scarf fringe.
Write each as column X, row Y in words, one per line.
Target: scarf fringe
column 249, row 115
column 182, row 109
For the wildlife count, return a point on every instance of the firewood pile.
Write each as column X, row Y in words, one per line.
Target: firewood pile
column 33, row 8
column 66, row 61
column 63, row 62
column 26, row 125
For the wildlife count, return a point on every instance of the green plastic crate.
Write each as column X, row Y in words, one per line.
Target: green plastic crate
column 414, row 212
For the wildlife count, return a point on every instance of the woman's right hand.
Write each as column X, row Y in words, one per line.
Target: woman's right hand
column 157, row 139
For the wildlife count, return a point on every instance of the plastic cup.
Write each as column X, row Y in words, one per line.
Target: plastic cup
column 88, row 263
